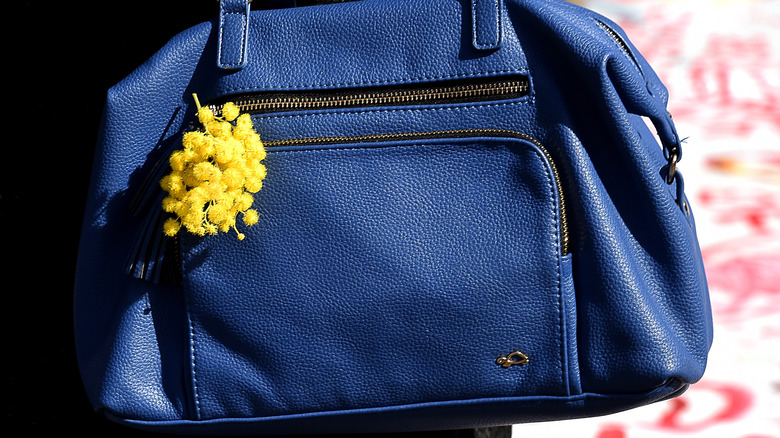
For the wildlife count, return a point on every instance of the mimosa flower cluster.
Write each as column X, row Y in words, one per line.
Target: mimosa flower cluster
column 214, row 175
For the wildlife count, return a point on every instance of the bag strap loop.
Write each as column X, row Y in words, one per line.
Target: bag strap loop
column 233, row 34
column 486, row 24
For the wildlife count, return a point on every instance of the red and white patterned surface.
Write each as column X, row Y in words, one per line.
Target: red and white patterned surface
column 720, row 60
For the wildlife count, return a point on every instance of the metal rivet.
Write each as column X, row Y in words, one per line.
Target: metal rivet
column 513, row 358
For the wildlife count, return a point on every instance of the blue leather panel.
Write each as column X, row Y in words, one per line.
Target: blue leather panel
column 460, row 414
column 386, row 42
column 380, row 267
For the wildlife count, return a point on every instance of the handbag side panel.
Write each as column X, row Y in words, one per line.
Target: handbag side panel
column 637, row 264
column 130, row 356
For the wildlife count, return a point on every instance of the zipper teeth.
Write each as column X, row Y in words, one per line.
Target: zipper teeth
column 618, row 40
column 381, row 97
column 368, row 138
column 458, row 133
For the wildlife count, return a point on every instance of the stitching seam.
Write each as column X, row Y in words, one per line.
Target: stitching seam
column 222, row 19
column 385, row 111
column 383, row 82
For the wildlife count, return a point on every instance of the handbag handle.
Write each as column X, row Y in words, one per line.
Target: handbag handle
column 486, row 30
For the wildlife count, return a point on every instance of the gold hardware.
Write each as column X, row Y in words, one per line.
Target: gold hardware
column 367, row 97
column 513, row 358
column 671, row 169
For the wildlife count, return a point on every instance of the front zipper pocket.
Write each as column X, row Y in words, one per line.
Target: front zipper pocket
column 386, row 270
column 156, row 259
column 420, row 136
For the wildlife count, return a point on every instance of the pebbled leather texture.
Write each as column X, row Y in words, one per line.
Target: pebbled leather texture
column 233, row 34
column 386, row 277
column 410, row 284
column 487, row 24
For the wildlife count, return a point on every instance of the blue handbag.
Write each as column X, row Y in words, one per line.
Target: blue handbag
column 388, row 216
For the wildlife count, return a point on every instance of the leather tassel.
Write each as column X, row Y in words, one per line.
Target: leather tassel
column 147, row 259
column 149, row 248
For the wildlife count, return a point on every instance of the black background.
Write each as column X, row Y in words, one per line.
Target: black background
column 60, row 58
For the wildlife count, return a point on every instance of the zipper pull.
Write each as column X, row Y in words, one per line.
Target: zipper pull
column 233, row 34
column 486, row 24
column 150, row 257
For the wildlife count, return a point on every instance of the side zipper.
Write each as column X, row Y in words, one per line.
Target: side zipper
column 621, row 43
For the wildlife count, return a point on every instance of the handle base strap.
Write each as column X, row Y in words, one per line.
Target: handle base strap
column 233, row 34
column 486, row 27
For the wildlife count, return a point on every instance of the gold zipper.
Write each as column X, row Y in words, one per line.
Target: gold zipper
column 458, row 133
column 455, row 92
column 622, row 44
